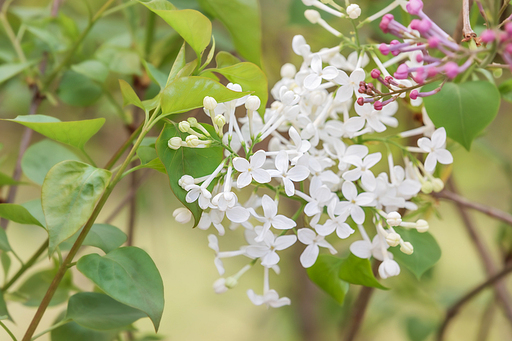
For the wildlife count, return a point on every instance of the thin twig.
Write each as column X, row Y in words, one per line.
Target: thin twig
column 467, row 31
column 360, row 307
column 490, row 211
column 485, row 256
column 454, row 309
column 486, row 321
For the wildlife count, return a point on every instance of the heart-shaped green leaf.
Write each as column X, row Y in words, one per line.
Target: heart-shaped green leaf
column 70, row 192
column 128, row 275
column 464, row 110
column 196, row 162
column 357, row 270
column 73, row 133
column 325, row 274
column 100, row 312
column 18, row 214
column 188, row 93
column 426, row 251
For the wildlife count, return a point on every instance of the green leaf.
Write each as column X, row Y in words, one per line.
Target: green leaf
column 103, row 236
column 464, row 110
column 242, row 19
column 426, row 251
column 34, row 288
column 196, row 162
column 188, row 93
column 10, row 70
column 18, row 214
column 357, row 270
column 7, row 180
column 158, row 4
column 36, row 209
column 73, row 133
column 225, row 59
column 92, row 69
column 418, row 329
column 41, row 157
column 129, row 95
column 156, row 75
column 155, row 164
column 250, row 77
column 191, row 25
column 325, row 274
column 78, row 90
column 69, row 194
column 4, row 242
column 505, row 89
column 129, row 276
column 177, row 66
column 120, row 59
column 100, row 312
column 6, row 265
column 3, row 307
column 146, row 154
column 74, row 331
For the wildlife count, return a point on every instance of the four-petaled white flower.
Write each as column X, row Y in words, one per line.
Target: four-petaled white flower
column 297, row 173
column 196, row 192
column 266, row 250
column 435, row 147
column 355, row 201
column 250, row 170
column 270, row 298
column 313, row 241
column 337, row 216
column 314, row 80
column 271, row 218
column 362, row 170
column 349, row 85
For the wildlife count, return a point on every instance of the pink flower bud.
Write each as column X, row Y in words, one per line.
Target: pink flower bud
column 419, row 58
column 508, row 28
column 360, row 101
column 375, row 73
column 384, row 23
column 451, row 69
column 432, row 72
column 413, row 94
column 414, row 7
column 508, row 48
column 488, row 36
column 422, row 26
column 377, row 105
column 433, row 42
column 402, row 72
column 395, row 52
column 384, row 49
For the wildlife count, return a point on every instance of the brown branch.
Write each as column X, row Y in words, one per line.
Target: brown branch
column 454, row 309
column 467, row 31
column 486, row 321
column 500, row 289
column 359, row 308
column 487, row 210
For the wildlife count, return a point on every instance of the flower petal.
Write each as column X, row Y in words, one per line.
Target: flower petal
column 283, row 223
column 361, row 249
column 258, row 159
column 306, row 236
column 309, row 256
column 261, row 176
column 240, row 164
column 243, row 180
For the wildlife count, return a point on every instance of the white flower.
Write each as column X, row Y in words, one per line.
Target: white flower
column 300, row 46
column 314, row 80
column 196, row 192
column 337, row 216
column 435, row 147
column 389, row 268
column 310, row 254
column 251, row 170
column 353, row 11
column 219, row 286
column 297, row 173
column 214, row 217
column 367, row 249
column 271, row 218
column 182, row 215
column 354, row 201
column 270, row 298
column 213, row 244
column 266, row 250
column 320, row 196
column 362, row 170
column 349, row 85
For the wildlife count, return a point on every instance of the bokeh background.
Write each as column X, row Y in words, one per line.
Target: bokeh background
column 411, row 310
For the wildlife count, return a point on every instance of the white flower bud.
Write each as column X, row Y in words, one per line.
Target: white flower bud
column 192, row 141
column 252, row 103
column 422, row 226
column 427, row 187
column 406, row 248
column 182, row 215
column 312, row 15
column 174, row 142
column 192, row 121
column 231, row 282
column 288, row 70
column 219, row 121
column 219, row 286
column 438, row 185
column 186, row 180
column 308, row 2
column 209, row 103
column 353, row 11
column 184, row 126
column 394, row 219
column 393, row 239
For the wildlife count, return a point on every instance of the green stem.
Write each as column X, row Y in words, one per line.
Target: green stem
column 78, row 243
column 17, row 257
column 26, row 266
column 8, row 331
column 123, row 148
column 10, row 33
column 118, row 8
column 75, row 46
column 88, row 157
column 150, row 33
column 55, row 326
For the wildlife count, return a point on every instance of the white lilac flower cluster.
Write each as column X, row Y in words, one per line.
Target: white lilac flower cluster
column 310, row 146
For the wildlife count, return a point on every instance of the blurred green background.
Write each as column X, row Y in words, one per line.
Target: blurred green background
column 411, row 310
